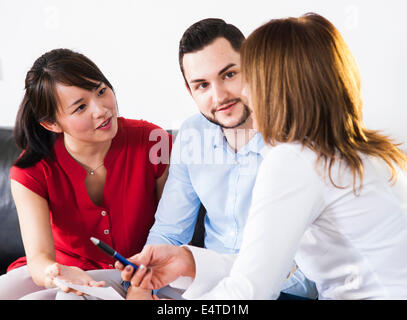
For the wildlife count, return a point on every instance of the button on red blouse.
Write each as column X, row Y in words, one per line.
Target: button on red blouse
column 127, row 212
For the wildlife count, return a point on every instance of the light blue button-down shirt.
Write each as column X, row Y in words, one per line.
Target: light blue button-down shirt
column 205, row 169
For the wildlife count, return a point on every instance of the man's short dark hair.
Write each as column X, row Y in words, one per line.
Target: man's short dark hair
column 203, row 33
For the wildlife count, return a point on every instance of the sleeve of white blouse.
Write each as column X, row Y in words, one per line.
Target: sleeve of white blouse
column 287, row 197
column 211, row 268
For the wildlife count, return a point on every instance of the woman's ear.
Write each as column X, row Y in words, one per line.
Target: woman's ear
column 51, row 126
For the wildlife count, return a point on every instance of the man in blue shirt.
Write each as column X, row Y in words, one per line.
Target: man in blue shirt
column 216, row 154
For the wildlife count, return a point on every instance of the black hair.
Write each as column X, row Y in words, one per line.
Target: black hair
column 203, row 33
column 40, row 99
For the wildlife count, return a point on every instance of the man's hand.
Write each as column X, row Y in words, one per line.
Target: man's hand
column 159, row 266
column 137, row 293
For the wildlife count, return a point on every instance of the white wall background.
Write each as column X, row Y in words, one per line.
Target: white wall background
column 135, row 44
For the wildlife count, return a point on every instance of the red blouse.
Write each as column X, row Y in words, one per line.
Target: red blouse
column 129, row 203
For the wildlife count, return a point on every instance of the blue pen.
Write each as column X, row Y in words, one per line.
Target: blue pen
column 111, row 252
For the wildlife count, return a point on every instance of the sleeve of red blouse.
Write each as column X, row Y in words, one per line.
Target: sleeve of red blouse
column 159, row 145
column 32, row 178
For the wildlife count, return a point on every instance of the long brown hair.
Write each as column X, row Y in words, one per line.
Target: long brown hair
column 40, row 99
column 305, row 87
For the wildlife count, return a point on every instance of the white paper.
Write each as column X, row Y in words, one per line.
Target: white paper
column 105, row 293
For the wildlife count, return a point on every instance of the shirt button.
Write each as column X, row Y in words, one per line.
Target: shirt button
column 103, row 213
column 106, row 231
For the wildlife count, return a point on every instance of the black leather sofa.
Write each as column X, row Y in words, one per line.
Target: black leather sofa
column 11, row 246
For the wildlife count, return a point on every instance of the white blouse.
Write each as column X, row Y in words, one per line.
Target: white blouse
column 352, row 247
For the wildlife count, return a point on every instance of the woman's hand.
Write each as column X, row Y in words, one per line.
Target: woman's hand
column 164, row 264
column 69, row 274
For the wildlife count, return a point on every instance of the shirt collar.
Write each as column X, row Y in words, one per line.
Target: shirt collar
column 255, row 145
column 219, row 137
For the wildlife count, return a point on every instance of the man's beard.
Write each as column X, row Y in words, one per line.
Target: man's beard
column 243, row 118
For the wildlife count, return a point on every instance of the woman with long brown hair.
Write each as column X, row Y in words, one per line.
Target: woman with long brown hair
column 84, row 172
column 330, row 193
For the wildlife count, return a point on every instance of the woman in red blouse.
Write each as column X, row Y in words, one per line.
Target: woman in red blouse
column 84, row 172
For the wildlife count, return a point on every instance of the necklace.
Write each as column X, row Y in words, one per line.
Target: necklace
column 92, row 171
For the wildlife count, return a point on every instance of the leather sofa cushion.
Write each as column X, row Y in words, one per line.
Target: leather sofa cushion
column 11, row 246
